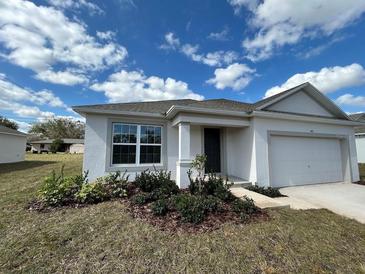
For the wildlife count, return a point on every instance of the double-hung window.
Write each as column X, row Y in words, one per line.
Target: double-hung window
column 136, row 144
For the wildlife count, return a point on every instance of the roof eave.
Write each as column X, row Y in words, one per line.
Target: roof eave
column 298, row 117
column 175, row 109
column 83, row 111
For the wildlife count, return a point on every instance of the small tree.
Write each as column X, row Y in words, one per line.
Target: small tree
column 199, row 164
column 56, row 145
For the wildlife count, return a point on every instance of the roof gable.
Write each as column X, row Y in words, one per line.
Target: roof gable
column 304, row 99
column 6, row 130
column 358, row 117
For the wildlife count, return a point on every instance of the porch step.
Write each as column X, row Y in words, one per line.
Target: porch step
column 238, row 182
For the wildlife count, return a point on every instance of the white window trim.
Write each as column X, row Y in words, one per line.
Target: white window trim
column 138, row 146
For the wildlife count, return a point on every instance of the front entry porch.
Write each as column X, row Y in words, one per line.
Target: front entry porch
column 227, row 145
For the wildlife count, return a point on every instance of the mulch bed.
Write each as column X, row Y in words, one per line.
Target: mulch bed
column 172, row 222
column 360, row 183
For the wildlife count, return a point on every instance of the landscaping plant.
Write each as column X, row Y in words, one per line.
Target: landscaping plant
column 269, row 191
column 58, row 190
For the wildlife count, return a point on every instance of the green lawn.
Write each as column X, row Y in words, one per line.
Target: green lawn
column 104, row 238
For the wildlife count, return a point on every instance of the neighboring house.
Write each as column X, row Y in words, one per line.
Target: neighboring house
column 69, row 145
column 360, row 136
column 297, row 137
column 12, row 145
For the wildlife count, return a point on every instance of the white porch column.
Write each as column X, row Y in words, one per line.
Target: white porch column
column 184, row 162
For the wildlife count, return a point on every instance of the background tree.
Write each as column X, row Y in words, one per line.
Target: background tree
column 59, row 128
column 7, row 123
column 56, row 145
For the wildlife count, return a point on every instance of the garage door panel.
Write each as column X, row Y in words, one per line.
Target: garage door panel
column 303, row 160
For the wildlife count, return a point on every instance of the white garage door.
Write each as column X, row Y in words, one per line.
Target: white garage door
column 302, row 160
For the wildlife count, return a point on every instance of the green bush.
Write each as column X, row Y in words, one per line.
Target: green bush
column 212, row 185
column 160, row 207
column 58, row 190
column 148, row 181
column 244, row 206
column 116, row 184
column 92, row 193
column 212, row 204
column 270, row 192
column 140, row 199
column 190, row 207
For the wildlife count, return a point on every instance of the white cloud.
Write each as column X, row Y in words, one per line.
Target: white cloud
column 128, row 86
column 23, row 126
column 266, row 41
column 39, row 38
column 106, row 35
column 76, row 4
column 219, row 36
column 235, row 76
column 13, row 93
column 216, row 58
column 171, row 42
column 238, row 4
column 328, row 79
column 61, row 77
column 17, row 99
column 351, row 100
column 24, row 110
column 285, row 22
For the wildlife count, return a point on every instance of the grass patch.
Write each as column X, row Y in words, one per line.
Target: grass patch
column 104, row 238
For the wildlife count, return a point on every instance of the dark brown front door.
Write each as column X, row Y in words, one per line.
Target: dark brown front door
column 212, row 149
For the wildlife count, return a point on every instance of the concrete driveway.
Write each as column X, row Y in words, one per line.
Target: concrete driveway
column 342, row 198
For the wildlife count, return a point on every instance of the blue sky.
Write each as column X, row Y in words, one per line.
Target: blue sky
column 59, row 53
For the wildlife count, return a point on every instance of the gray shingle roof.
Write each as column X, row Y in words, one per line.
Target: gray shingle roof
column 161, row 107
column 7, row 130
column 65, row 141
column 358, row 117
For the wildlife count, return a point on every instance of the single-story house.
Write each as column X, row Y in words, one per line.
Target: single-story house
column 12, row 145
column 296, row 137
column 360, row 136
column 69, row 145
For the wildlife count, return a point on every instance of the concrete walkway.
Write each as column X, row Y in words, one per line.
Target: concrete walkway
column 260, row 200
column 342, row 198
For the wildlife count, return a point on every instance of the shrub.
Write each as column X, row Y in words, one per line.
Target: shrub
column 160, row 207
column 244, row 206
column 148, row 181
column 92, row 193
column 140, row 199
column 212, row 204
column 57, row 190
column 212, row 185
column 116, row 184
column 271, row 192
column 190, row 207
